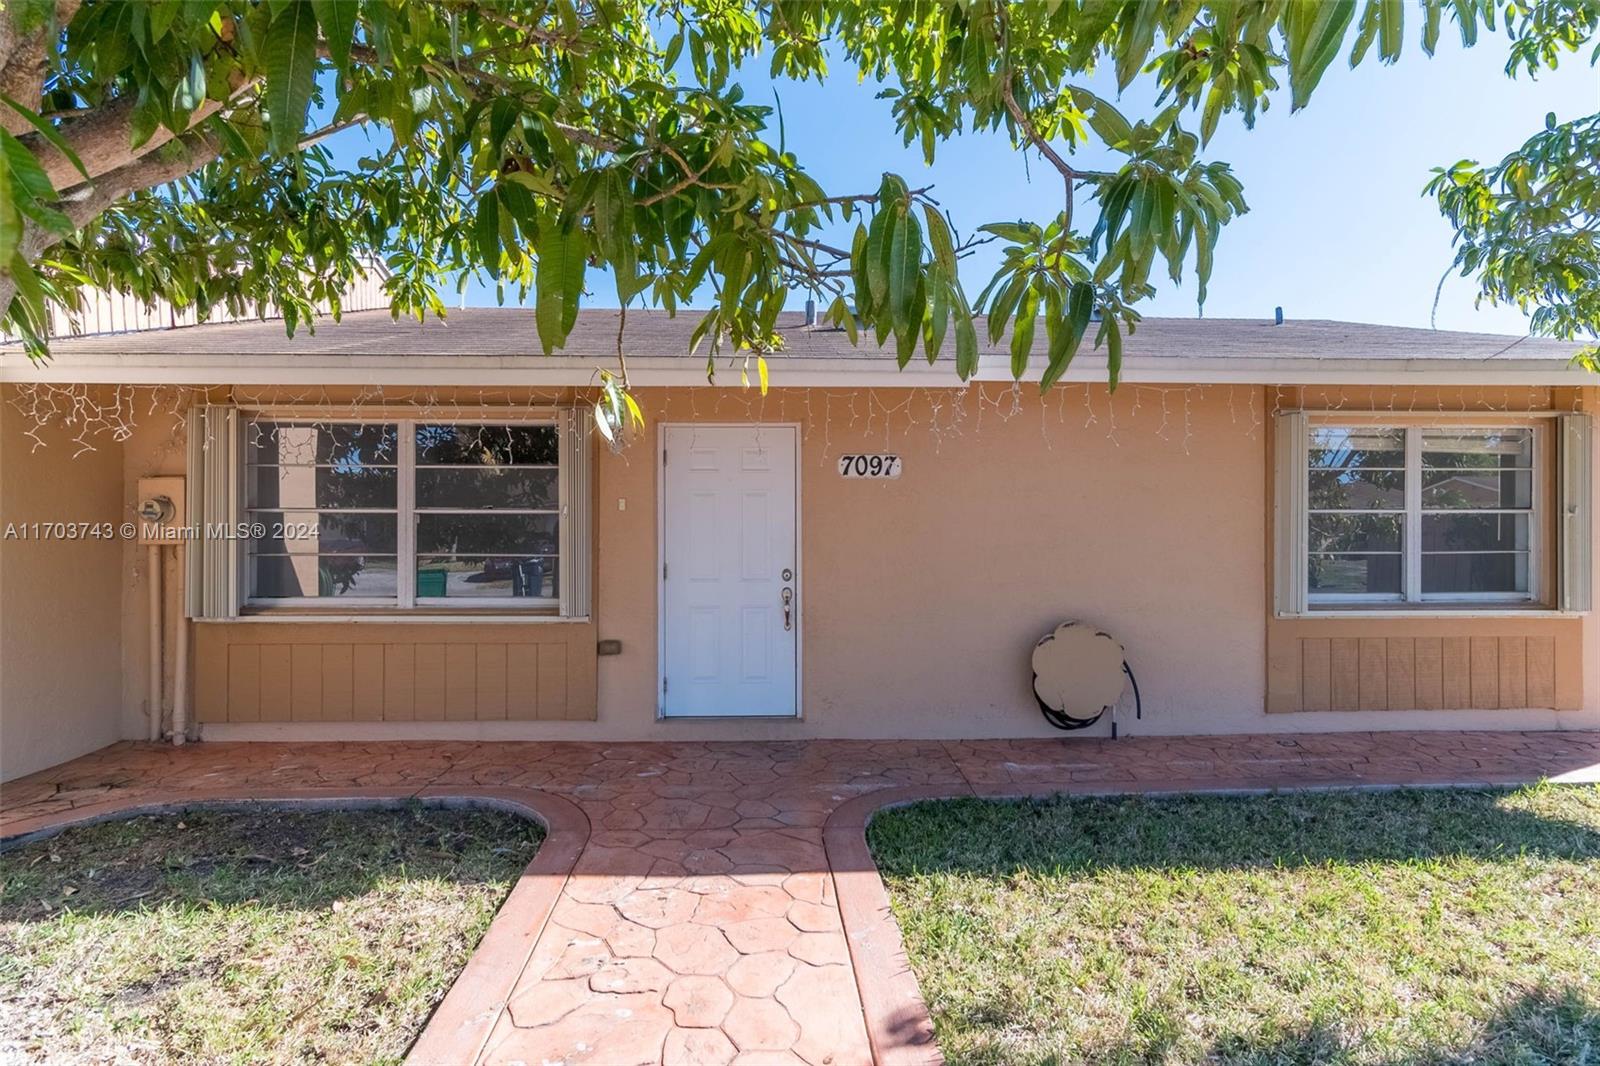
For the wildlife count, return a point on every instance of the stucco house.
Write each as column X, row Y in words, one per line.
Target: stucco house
column 399, row 530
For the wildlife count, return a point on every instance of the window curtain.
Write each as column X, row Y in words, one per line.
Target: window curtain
column 577, row 511
column 1576, row 485
column 214, row 557
column 1289, row 513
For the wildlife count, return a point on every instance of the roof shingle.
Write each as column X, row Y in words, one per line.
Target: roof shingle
column 510, row 332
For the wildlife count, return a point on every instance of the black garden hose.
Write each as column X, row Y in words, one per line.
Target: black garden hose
column 1062, row 720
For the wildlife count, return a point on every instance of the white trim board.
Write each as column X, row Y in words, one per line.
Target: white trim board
column 866, row 372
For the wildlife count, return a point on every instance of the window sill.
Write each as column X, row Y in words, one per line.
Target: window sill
column 483, row 616
column 1440, row 611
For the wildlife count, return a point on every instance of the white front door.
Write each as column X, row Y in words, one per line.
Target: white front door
column 730, row 572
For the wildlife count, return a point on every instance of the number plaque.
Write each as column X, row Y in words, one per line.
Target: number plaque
column 869, row 466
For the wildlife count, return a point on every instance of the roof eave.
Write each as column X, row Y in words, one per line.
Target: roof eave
column 793, row 372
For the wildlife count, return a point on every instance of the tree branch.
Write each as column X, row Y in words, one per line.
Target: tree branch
column 856, row 198
column 180, row 158
column 101, row 139
column 536, row 33
column 1018, row 115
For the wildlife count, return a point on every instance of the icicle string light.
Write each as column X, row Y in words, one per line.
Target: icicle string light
column 836, row 417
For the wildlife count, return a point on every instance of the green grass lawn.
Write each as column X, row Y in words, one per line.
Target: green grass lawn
column 246, row 936
column 1375, row 928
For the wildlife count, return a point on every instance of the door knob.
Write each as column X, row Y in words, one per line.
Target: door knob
column 788, row 609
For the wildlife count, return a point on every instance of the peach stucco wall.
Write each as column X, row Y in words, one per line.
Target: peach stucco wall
column 60, row 626
column 922, row 597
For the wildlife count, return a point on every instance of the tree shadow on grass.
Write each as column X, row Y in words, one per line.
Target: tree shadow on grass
column 1069, row 833
column 282, row 859
column 1074, row 838
column 1542, row 1027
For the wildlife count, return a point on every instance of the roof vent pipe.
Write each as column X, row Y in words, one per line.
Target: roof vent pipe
column 1277, row 316
column 811, row 311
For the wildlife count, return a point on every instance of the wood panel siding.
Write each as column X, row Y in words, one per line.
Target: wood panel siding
column 1451, row 660
column 1424, row 664
column 394, row 672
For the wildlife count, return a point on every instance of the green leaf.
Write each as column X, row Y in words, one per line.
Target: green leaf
column 1141, row 235
column 1111, row 334
column 614, row 222
column 839, row 314
column 1015, row 232
column 1367, row 31
column 939, row 239
column 674, row 49
column 1314, row 31
column 858, row 268
column 938, row 318
column 1004, row 302
column 191, row 90
column 563, row 257
column 1209, row 117
column 880, row 237
column 905, row 346
column 11, row 223
column 160, row 18
column 486, row 228
column 905, row 271
column 536, row 182
column 1105, row 120
column 636, row 416
column 1135, row 41
column 29, row 302
column 338, row 19
column 30, row 190
column 48, row 131
column 1080, row 307
column 966, row 345
column 1391, row 32
column 289, row 56
column 1022, row 331
column 146, row 117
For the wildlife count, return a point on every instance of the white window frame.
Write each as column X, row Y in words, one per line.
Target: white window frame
column 406, row 514
column 1411, row 595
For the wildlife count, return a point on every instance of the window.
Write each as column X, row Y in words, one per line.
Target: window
column 406, row 513
column 326, row 498
column 487, row 512
column 1411, row 514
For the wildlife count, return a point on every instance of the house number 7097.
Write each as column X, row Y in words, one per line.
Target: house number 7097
column 869, row 466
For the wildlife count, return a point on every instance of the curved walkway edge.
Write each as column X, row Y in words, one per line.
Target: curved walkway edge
column 899, row 1025
column 460, row 1026
column 716, row 902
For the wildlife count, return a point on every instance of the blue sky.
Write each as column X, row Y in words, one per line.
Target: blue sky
column 1337, row 225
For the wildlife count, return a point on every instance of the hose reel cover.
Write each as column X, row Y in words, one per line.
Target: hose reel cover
column 1077, row 672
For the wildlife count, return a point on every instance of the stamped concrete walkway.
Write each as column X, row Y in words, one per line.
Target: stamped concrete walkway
column 716, row 902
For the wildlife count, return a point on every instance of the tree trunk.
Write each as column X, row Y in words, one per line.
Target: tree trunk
column 25, row 57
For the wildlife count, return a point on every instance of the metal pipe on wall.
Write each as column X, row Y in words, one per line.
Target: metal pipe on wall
column 180, row 667
column 153, row 697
